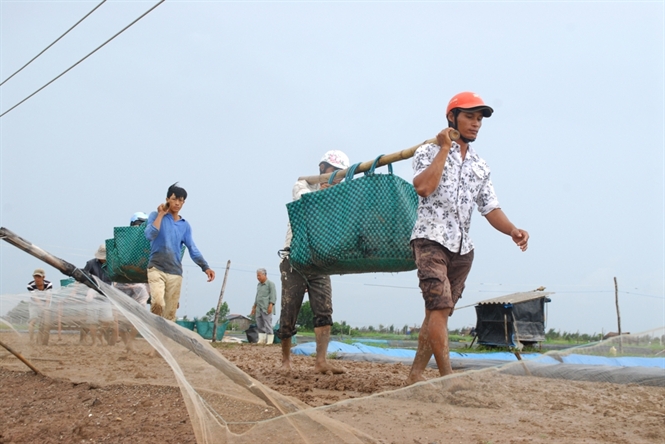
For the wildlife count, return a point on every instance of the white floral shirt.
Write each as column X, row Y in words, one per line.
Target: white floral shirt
column 445, row 215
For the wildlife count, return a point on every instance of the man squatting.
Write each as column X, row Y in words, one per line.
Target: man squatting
column 450, row 178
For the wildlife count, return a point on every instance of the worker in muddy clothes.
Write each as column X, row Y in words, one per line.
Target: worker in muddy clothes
column 319, row 288
column 450, row 179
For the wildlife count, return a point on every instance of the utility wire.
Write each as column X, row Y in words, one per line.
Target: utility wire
column 91, row 53
column 56, row 40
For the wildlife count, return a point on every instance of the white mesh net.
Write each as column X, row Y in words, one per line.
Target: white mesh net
column 71, row 332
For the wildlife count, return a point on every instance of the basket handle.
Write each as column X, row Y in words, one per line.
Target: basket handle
column 349, row 174
column 373, row 167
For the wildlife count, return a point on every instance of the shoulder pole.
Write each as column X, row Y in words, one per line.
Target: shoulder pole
column 384, row 160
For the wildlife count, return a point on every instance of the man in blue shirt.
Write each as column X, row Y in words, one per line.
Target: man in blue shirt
column 167, row 233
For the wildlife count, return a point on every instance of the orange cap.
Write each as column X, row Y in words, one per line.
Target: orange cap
column 469, row 101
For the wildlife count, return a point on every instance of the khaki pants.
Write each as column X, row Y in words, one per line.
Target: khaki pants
column 164, row 292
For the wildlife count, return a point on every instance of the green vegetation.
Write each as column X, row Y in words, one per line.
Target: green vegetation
column 210, row 315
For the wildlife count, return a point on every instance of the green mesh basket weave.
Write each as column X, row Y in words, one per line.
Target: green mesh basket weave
column 128, row 254
column 358, row 226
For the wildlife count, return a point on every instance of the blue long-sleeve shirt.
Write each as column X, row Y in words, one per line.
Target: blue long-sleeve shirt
column 166, row 244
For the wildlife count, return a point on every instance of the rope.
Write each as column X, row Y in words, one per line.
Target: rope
column 54, row 42
column 91, row 53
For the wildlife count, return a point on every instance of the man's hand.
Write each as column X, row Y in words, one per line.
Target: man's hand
column 443, row 138
column 253, row 311
column 269, row 309
column 521, row 238
column 162, row 209
column 211, row 274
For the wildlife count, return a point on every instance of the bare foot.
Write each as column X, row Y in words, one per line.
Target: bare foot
column 286, row 366
column 412, row 379
column 326, row 367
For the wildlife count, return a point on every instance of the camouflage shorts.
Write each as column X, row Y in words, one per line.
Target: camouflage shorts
column 442, row 273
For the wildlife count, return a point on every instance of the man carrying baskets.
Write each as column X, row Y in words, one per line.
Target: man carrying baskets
column 450, row 179
column 296, row 284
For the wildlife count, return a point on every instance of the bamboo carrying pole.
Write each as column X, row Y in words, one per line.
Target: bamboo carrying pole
column 167, row 328
column 384, row 160
column 219, row 303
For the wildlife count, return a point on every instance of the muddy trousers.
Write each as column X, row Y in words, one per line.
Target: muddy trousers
column 294, row 287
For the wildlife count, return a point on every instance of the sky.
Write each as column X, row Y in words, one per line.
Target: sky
column 236, row 100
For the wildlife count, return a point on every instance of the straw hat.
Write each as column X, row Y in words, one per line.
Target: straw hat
column 101, row 253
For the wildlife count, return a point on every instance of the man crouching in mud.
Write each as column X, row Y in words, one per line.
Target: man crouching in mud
column 294, row 284
column 450, row 178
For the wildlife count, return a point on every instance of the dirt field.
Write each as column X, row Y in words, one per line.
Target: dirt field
column 134, row 399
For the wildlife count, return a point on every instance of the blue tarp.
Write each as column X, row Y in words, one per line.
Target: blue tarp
column 309, row 348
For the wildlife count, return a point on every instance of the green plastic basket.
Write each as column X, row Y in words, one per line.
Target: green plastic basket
column 128, row 254
column 358, row 226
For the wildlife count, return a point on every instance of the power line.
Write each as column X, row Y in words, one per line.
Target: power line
column 54, row 42
column 91, row 53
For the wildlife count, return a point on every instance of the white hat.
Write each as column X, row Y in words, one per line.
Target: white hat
column 101, row 253
column 336, row 158
column 138, row 216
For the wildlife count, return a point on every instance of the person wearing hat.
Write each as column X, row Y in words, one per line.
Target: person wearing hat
column 40, row 300
column 99, row 310
column 318, row 287
column 138, row 219
column 450, row 179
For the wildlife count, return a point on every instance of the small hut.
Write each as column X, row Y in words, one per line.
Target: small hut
column 238, row 322
column 515, row 318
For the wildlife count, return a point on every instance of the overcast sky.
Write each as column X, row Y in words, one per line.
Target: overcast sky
column 235, row 100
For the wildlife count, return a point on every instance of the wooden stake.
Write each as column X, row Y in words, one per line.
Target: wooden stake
column 616, row 300
column 63, row 266
column 219, row 303
column 18, row 355
column 385, row 160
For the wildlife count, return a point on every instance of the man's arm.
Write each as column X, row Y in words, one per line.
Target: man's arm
column 498, row 219
column 196, row 255
column 152, row 226
column 428, row 180
column 272, row 297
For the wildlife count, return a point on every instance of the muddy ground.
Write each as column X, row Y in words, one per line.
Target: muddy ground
column 133, row 397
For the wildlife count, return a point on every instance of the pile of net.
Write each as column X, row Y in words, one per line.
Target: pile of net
column 54, row 330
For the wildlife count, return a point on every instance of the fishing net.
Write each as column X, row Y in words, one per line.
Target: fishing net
column 223, row 403
column 55, row 331
column 358, row 226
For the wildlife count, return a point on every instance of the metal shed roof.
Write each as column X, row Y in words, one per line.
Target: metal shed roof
column 516, row 298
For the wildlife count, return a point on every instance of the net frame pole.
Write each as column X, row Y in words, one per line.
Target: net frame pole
column 21, row 358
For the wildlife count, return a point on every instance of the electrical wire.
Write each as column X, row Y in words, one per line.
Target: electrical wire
column 89, row 54
column 54, row 42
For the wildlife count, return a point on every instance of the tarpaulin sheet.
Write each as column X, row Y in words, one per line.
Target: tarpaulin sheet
column 309, row 348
